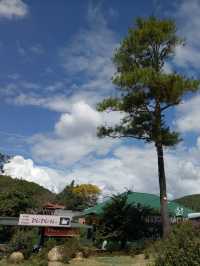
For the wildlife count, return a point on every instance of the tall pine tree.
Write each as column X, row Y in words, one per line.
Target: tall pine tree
column 145, row 92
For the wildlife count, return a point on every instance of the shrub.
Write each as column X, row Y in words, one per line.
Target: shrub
column 121, row 221
column 182, row 247
column 113, row 246
column 71, row 247
column 39, row 259
column 23, row 240
column 49, row 244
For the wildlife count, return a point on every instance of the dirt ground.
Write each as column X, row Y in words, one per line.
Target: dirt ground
column 100, row 261
column 113, row 261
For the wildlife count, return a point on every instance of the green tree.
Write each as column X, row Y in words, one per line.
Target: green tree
column 36, row 193
column 13, row 203
column 122, row 222
column 145, row 92
column 3, row 159
column 23, row 240
column 67, row 197
column 79, row 197
column 88, row 194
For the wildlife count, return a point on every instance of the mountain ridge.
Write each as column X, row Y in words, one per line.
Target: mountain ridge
column 191, row 201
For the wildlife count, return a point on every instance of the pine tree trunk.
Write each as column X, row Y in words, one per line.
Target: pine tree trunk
column 163, row 192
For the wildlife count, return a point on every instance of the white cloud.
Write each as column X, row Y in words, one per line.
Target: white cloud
column 20, row 49
column 90, row 50
column 83, row 116
column 19, row 167
column 187, row 16
column 13, row 8
column 37, row 49
column 89, row 55
column 58, row 103
column 74, row 144
column 188, row 118
column 187, row 57
column 135, row 168
column 87, row 59
column 74, row 136
column 130, row 167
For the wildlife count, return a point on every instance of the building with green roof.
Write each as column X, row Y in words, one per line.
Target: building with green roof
column 147, row 200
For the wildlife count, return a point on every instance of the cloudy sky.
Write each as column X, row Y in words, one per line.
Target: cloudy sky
column 56, row 65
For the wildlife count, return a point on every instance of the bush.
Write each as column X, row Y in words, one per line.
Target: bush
column 49, row 244
column 23, row 240
column 113, row 246
column 122, row 221
column 182, row 247
column 39, row 259
column 71, row 247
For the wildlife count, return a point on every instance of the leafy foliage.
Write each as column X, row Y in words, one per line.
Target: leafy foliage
column 24, row 240
column 19, row 195
column 12, row 203
column 122, row 222
column 3, row 159
column 79, row 197
column 191, row 201
column 88, row 193
column 182, row 247
column 145, row 90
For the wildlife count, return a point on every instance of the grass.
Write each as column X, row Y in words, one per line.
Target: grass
column 113, row 261
column 101, row 261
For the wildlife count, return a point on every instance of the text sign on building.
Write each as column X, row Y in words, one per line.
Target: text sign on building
column 44, row 220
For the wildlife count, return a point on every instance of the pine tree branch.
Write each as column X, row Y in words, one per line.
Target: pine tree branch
column 128, row 136
column 168, row 106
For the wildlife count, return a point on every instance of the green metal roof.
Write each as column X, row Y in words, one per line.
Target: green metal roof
column 147, row 200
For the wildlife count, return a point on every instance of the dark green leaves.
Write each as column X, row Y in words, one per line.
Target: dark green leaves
column 122, row 221
column 145, row 91
column 149, row 43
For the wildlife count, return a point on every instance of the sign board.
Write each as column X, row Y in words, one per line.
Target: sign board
column 44, row 220
column 61, row 232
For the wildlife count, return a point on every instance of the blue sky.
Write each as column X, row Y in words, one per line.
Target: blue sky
column 56, row 65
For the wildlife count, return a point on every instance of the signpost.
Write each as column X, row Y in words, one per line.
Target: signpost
column 44, row 220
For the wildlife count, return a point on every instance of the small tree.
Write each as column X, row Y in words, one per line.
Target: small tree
column 79, row 197
column 23, row 240
column 3, row 159
column 146, row 92
column 88, row 193
column 122, row 222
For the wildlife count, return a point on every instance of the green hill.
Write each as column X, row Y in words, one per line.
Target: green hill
column 191, row 201
column 18, row 195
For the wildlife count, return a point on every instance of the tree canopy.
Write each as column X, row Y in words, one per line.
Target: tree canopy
column 20, row 195
column 122, row 222
column 145, row 90
column 79, row 197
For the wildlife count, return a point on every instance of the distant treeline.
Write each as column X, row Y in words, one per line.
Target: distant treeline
column 191, row 201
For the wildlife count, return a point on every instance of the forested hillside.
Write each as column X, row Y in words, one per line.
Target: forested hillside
column 191, row 201
column 19, row 195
